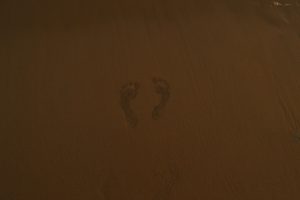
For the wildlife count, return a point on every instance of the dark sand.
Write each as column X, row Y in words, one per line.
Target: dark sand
column 228, row 127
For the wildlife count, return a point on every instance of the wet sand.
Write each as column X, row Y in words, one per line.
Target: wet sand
column 152, row 100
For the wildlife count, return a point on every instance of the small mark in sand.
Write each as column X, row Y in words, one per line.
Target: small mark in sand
column 162, row 88
column 297, row 135
column 110, row 188
column 168, row 180
column 286, row 4
column 128, row 93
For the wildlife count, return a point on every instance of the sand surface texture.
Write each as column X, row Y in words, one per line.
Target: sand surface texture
column 150, row 100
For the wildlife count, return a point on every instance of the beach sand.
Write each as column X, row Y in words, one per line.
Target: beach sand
column 150, row 100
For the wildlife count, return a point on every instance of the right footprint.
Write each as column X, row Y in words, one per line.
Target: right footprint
column 162, row 88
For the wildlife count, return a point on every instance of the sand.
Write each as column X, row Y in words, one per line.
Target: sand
column 150, row 100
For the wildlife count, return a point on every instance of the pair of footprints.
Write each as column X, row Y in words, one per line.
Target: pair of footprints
column 129, row 92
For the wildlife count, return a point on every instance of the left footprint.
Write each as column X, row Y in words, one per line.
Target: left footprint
column 128, row 93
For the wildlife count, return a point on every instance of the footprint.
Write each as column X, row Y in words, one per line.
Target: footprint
column 110, row 188
column 162, row 88
column 168, row 179
column 128, row 93
column 297, row 135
